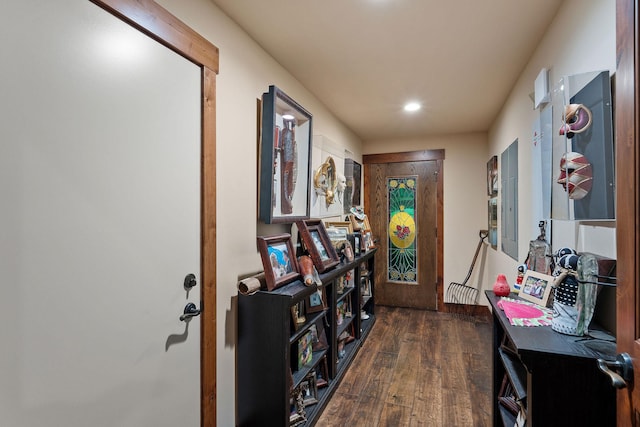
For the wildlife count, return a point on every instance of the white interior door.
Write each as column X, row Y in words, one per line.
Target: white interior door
column 99, row 221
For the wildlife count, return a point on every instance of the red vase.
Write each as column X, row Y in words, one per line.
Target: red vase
column 501, row 287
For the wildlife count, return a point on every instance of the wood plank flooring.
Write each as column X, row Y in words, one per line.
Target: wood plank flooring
column 417, row 368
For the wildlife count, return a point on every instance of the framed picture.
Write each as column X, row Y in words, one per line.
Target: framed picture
column 536, row 287
column 365, row 287
column 316, row 241
column 492, row 176
column 338, row 230
column 305, row 349
column 492, row 214
column 309, row 390
column 322, row 373
column 298, row 315
column 285, row 159
column 278, row 259
column 318, row 336
column 317, row 301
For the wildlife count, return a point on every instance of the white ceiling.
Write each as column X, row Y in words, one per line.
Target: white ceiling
column 365, row 58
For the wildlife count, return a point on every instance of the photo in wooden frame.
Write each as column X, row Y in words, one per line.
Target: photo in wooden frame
column 536, row 288
column 342, row 229
column 305, row 350
column 309, row 389
column 317, row 301
column 278, row 259
column 316, row 241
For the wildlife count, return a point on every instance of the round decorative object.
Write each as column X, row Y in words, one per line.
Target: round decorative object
column 402, row 230
column 501, row 288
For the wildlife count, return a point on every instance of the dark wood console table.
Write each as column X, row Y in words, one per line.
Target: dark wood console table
column 555, row 377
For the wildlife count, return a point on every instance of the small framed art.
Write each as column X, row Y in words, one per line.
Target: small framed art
column 317, row 301
column 492, row 176
column 278, row 259
column 316, row 241
column 536, row 287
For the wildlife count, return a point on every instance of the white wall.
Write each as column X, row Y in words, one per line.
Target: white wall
column 582, row 38
column 246, row 71
column 465, row 198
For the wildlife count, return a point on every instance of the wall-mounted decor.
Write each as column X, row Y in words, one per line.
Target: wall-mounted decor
column 278, row 259
column 285, row 159
column 325, row 181
column 492, row 176
column 583, row 153
column 352, row 173
column 509, row 200
column 316, row 241
column 493, row 221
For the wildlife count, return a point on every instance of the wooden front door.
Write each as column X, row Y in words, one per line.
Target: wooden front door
column 404, row 206
column 627, row 173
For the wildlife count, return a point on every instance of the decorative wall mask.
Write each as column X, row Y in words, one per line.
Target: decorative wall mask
column 325, row 180
column 576, row 119
column 576, row 175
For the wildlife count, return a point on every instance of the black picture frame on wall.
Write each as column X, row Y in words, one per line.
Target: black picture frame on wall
column 492, row 176
column 285, row 159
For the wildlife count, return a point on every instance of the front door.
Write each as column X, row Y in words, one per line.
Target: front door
column 627, row 175
column 402, row 206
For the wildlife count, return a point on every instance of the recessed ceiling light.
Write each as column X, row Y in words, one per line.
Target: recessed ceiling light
column 412, row 106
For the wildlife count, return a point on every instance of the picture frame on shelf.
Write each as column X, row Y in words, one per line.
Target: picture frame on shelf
column 344, row 229
column 316, row 240
column 278, row 259
column 322, row 373
column 285, row 159
column 317, row 301
column 305, row 350
column 309, row 389
column 298, row 315
column 536, row 287
column 318, row 336
column 365, row 287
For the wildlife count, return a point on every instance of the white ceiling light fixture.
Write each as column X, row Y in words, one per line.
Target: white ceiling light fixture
column 412, row 106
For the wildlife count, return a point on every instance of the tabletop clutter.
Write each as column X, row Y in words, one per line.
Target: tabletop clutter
column 558, row 289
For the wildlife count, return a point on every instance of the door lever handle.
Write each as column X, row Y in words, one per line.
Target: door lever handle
column 190, row 310
column 623, row 364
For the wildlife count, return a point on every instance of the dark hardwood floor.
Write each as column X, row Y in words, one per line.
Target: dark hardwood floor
column 417, row 368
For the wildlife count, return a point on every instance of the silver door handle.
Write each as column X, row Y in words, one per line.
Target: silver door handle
column 190, row 310
column 623, row 364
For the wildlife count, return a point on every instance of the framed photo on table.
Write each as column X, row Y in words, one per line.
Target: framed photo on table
column 536, row 287
column 278, row 259
column 316, row 240
column 285, row 159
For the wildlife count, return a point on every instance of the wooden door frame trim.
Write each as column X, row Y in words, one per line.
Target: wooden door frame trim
column 159, row 24
column 627, row 131
column 418, row 156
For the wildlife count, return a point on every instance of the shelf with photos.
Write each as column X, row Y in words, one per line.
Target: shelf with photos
column 299, row 330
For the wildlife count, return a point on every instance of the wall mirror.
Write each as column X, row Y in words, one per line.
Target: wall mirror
column 583, row 177
column 285, row 159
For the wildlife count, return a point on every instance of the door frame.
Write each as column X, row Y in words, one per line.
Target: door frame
column 627, row 238
column 417, row 156
column 156, row 22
